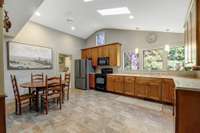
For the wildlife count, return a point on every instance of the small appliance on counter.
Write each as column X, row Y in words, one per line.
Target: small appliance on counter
column 82, row 70
column 101, row 78
column 103, row 61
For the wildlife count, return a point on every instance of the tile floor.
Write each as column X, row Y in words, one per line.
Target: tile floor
column 96, row 112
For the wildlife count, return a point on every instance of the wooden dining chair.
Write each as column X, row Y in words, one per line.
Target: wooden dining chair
column 53, row 91
column 20, row 100
column 37, row 77
column 67, row 85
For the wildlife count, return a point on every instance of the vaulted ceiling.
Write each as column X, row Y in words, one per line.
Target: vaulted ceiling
column 151, row 15
column 62, row 15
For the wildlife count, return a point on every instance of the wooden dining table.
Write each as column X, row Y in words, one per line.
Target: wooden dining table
column 37, row 86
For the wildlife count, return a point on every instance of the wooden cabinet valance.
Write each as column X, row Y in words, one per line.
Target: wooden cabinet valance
column 113, row 51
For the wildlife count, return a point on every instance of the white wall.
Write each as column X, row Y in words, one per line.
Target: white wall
column 1, row 53
column 137, row 39
column 36, row 34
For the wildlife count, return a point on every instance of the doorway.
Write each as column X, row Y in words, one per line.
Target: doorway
column 65, row 63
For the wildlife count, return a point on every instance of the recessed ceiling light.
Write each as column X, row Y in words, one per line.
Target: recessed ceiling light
column 73, row 28
column 87, row 0
column 131, row 17
column 37, row 14
column 114, row 11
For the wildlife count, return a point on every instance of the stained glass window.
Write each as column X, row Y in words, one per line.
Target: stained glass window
column 100, row 38
column 131, row 61
column 153, row 59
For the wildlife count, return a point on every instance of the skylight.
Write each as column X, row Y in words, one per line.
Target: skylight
column 114, row 11
column 87, row 0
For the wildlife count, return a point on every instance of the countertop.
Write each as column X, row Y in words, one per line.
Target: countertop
column 184, row 83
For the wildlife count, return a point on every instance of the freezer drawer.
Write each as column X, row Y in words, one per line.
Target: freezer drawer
column 80, row 83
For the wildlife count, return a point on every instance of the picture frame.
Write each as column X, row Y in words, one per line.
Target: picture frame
column 21, row 56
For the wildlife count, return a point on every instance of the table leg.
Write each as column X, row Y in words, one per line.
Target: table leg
column 30, row 100
column 37, row 100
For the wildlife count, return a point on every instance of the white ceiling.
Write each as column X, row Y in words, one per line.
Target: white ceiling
column 151, row 15
column 20, row 12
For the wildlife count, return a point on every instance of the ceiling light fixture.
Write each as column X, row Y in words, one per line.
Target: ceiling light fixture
column 73, row 28
column 114, row 11
column 131, row 17
column 87, row 0
column 37, row 14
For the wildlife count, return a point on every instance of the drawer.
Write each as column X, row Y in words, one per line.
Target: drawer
column 148, row 81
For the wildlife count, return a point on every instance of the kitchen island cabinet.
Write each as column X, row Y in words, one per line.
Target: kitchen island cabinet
column 187, row 110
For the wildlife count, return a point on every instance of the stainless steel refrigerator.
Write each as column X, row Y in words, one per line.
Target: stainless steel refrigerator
column 82, row 70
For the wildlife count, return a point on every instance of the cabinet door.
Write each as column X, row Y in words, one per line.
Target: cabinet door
column 94, row 56
column 92, row 81
column 84, row 54
column 119, row 87
column 129, row 85
column 103, row 51
column 168, row 90
column 154, row 89
column 115, row 55
column 110, row 83
column 140, row 90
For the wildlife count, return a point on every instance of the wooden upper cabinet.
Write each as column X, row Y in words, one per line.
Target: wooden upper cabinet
column 94, row 56
column 168, row 90
column 113, row 51
column 103, row 51
column 115, row 55
column 192, row 34
column 129, row 85
column 86, row 54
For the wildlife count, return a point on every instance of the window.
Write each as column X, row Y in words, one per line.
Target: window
column 131, row 61
column 100, row 38
column 176, row 58
column 153, row 59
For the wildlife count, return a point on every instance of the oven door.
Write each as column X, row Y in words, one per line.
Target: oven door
column 100, row 82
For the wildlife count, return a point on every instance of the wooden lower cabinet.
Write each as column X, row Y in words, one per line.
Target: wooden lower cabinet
column 157, row 89
column 92, row 81
column 168, row 90
column 119, row 84
column 187, row 110
column 110, row 83
column 129, row 85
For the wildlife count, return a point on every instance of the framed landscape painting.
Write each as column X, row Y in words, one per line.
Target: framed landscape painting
column 28, row 57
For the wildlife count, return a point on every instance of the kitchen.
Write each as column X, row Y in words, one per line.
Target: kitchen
column 120, row 67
